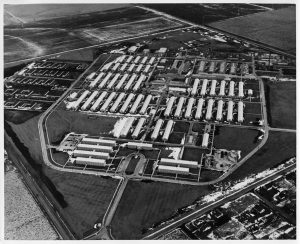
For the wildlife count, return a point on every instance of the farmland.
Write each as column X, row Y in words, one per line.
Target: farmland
column 80, row 199
column 46, row 37
column 236, row 139
column 281, row 102
column 144, row 204
column 35, row 12
column 279, row 147
column 206, row 13
column 274, row 28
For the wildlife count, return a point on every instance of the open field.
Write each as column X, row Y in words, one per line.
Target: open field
column 281, row 104
column 77, row 122
column 35, row 12
column 87, row 198
column 81, row 200
column 206, row 13
column 274, row 28
column 144, row 204
column 19, row 204
column 46, row 37
column 232, row 138
column 280, row 146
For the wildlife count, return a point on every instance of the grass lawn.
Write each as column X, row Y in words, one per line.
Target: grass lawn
column 281, row 102
column 81, row 200
column 144, row 204
column 279, row 147
column 233, row 138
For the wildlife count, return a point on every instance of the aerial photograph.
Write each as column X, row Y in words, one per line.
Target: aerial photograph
column 149, row 121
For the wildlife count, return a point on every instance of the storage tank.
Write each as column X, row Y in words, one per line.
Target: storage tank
column 198, row 114
column 138, row 128
column 129, row 83
column 220, row 110
column 117, row 102
column 104, row 81
column 205, row 140
column 195, row 86
column 213, row 88
column 113, row 81
column 204, row 86
column 98, row 101
column 146, row 104
column 126, row 103
column 189, row 108
column 136, row 103
column 127, row 126
column 121, row 82
column 89, row 100
column 230, row 111
column 138, row 83
column 169, row 106
column 222, row 88
column 179, row 107
column 156, row 130
column 231, row 89
column 209, row 109
column 168, row 130
column 137, row 59
column 107, row 102
column 240, row 111
column 241, row 89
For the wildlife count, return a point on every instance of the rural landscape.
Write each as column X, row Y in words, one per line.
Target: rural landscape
column 150, row 121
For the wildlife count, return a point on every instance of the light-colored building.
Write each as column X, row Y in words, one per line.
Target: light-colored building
column 198, row 114
column 107, row 102
column 169, row 106
column 121, row 82
column 231, row 89
column 127, row 126
column 220, row 110
column 203, row 88
column 129, row 83
column 222, row 88
column 230, row 111
column 117, row 102
column 168, row 130
column 205, row 140
column 209, row 109
column 179, row 107
column 195, row 86
column 98, row 101
column 241, row 89
column 136, row 103
column 213, row 88
column 240, row 111
column 93, row 147
column 97, row 141
column 173, row 170
column 188, row 111
column 175, row 162
column 126, row 103
column 90, row 161
column 89, row 100
column 113, row 81
column 84, row 153
column 146, row 104
column 105, row 80
column 138, row 128
column 157, row 128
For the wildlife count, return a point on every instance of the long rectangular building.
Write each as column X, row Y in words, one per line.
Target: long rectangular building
column 136, row 103
column 173, row 162
column 89, row 100
column 173, row 170
column 98, row 101
column 91, row 147
column 84, row 153
column 198, row 114
column 96, row 141
column 90, row 161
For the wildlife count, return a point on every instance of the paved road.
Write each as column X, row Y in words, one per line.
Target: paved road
column 205, row 208
column 283, row 130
